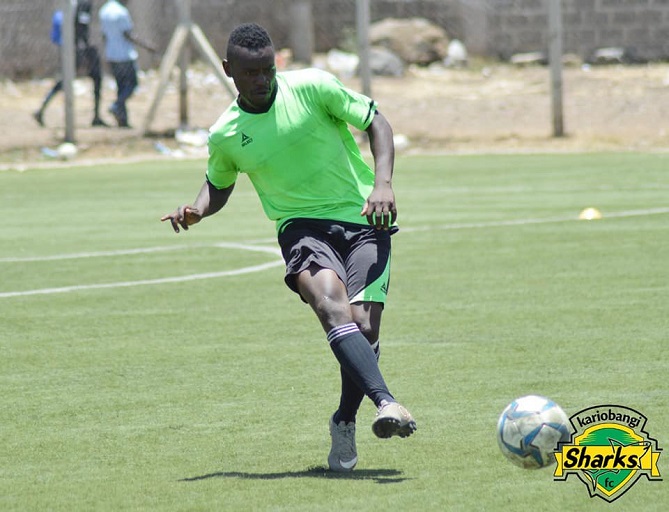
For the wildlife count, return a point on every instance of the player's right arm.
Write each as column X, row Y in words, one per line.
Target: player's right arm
column 220, row 180
column 209, row 201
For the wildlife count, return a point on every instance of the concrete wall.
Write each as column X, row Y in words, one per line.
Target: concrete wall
column 25, row 47
column 24, row 38
column 521, row 25
column 495, row 28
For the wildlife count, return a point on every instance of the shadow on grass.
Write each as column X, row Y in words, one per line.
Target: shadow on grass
column 380, row 476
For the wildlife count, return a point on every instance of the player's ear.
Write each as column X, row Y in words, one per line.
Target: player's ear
column 226, row 67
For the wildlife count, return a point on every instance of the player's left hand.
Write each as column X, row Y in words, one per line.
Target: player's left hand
column 380, row 208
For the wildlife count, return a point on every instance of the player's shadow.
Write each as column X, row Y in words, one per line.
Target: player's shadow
column 379, row 476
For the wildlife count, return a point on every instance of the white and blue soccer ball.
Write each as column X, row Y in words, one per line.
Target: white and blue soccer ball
column 529, row 430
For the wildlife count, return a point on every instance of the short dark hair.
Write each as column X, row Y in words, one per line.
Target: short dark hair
column 85, row 5
column 250, row 36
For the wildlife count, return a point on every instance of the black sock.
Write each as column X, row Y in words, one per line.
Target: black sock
column 358, row 360
column 351, row 395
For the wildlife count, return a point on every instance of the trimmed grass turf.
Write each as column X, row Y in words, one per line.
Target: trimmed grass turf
column 214, row 394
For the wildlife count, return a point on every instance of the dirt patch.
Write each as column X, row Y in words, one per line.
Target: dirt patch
column 490, row 108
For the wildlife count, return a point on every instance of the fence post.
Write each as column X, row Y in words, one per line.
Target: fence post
column 302, row 31
column 185, row 19
column 555, row 58
column 362, row 23
column 69, row 66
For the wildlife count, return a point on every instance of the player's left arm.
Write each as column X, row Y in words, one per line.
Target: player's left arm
column 380, row 208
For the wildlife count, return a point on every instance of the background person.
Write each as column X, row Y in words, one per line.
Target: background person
column 120, row 53
column 87, row 59
column 334, row 214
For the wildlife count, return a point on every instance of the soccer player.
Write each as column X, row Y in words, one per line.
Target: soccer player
column 87, row 59
column 334, row 215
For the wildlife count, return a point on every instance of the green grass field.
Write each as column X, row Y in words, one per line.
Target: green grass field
column 132, row 381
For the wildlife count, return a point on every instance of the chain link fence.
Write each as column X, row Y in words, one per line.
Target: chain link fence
column 491, row 28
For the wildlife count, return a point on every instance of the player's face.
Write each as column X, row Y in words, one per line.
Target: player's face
column 254, row 74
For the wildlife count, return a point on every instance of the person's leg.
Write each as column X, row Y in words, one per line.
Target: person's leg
column 317, row 268
column 367, row 263
column 392, row 419
column 39, row 114
column 95, row 73
column 367, row 268
column 123, row 91
column 343, row 454
column 118, row 78
column 367, row 316
column 127, row 83
column 326, row 294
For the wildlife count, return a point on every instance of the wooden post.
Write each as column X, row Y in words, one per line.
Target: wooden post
column 169, row 61
column 69, row 66
column 184, row 63
column 555, row 59
column 302, row 31
column 174, row 54
column 362, row 24
column 209, row 55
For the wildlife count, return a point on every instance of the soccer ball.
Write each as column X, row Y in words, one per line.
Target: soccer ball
column 529, row 429
column 67, row 151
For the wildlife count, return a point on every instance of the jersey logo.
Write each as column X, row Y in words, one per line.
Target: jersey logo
column 246, row 140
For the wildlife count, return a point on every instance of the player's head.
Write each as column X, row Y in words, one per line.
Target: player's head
column 84, row 6
column 250, row 36
column 83, row 21
column 250, row 64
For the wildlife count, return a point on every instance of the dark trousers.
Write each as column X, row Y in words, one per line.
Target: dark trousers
column 88, row 62
column 125, row 74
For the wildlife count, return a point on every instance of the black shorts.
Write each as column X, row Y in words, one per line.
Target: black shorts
column 358, row 254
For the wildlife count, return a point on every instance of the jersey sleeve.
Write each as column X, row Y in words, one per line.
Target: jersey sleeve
column 221, row 170
column 345, row 104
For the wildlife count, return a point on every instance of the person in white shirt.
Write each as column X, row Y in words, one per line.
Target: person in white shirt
column 120, row 53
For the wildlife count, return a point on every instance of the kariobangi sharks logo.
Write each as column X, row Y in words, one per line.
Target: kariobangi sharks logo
column 609, row 451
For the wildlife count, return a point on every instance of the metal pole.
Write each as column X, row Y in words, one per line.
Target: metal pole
column 184, row 7
column 555, row 58
column 302, row 33
column 68, row 60
column 362, row 21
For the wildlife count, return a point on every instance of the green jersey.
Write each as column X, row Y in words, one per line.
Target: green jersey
column 300, row 155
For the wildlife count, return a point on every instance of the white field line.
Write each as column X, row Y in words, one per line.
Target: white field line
column 147, row 250
column 270, row 250
column 100, row 254
column 524, row 222
column 128, row 284
column 166, row 280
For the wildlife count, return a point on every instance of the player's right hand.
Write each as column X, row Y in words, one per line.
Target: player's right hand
column 183, row 216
